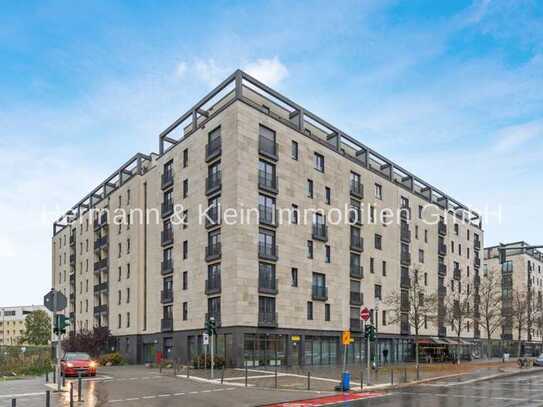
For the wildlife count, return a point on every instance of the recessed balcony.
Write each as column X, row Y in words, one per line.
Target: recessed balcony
column 214, row 148
column 319, row 293
column 267, row 251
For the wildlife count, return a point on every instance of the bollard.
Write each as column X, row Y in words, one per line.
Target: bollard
column 362, row 379
column 48, row 398
column 55, row 376
column 308, row 380
column 160, row 367
column 246, row 375
column 188, row 372
column 405, row 375
column 222, row 375
column 392, row 376
column 418, row 375
column 47, row 377
column 13, row 402
column 79, row 388
column 276, row 377
column 63, row 381
column 71, row 395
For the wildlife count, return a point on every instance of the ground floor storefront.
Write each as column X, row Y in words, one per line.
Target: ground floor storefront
column 254, row 347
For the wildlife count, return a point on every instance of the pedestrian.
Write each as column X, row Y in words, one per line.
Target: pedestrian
column 385, row 355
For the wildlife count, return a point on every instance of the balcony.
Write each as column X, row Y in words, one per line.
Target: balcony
column 405, row 328
column 442, row 249
column 442, row 331
column 267, row 148
column 442, row 228
column 405, row 233
column 166, row 296
column 267, row 251
column 267, row 182
column 100, row 309
column 72, row 259
column 355, row 216
column 320, row 232
column 357, row 271
column 213, row 285
column 477, row 281
column 405, row 281
column 319, row 293
column 405, row 213
column 442, row 269
column 213, row 252
column 405, row 258
column 166, row 266
column 214, row 148
column 213, row 217
column 457, row 274
column 167, row 179
column 216, row 315
column 101, row 243
column 100, row 264
column 72, row 297
column 166, row 237
column 72, row 239
column 166, row 209
column 166, row 324
column 357, row 243
column 100, row 287
column 442, row 291
column 356, row 298
column 267, row 215
column 267, row 319
column 213, row 183
column 357, row 189
column 356, row 325
column 477, row 262
column 477, row 244
column 100, row 221
column 268, row 285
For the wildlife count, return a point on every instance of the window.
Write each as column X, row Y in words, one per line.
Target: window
column 378, row 242
column 319, row 162
column 185, row 188
column 372, row 265
column 128, row 319
column 372, row 214
column 128, row 196
column 377, row 292
column 294, row 214
column 425, row 235
column 119, row 321
column 266, row 175
column 119, row 274
column 266, row 308
column 379, row 191
column 128, row 295
column 128, row 270
column 309, row 311
column 266, row 275
column 294, row 277
column 185, row 282
column 266, row 209
column 384, row 318
column 310, row 188
column 421, row 209
column 456, row 230
column 120, row 249
column 421, row 256
column 309, row 249
column 327, row 195
column 425, row 279
column 327, row 312
column 417, row 232
column 185, row 157
column 185, row 249
column 266, row 243
column 127, row 246
column 267, row 141
column 384, row 268
column 294, row 150
column 119, row 295
column 185, row 311
column 327, row 255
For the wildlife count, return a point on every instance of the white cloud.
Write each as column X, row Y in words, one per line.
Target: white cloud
column 511, row 137
column 181, row 69
column 270, row 71
column 210, row 72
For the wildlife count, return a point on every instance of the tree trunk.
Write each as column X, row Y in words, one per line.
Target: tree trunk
column 417, row 353
column 519, row 341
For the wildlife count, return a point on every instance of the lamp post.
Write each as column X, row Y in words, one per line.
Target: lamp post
column 377, row 304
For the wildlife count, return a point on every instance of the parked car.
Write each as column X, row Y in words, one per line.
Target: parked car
column 539, row 360
column 75, row 363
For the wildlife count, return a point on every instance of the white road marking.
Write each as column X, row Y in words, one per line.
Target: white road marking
column 164, row 395
column 14, row 396
column 179, row 394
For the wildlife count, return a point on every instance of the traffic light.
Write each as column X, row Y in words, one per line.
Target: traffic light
column 61, row 323
column 210, row 326
column 369, row 332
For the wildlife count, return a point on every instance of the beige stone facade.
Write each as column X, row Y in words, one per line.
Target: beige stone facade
column 265, row 155
column 12, row 323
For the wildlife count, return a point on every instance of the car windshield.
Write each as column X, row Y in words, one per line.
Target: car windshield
column 77, row 356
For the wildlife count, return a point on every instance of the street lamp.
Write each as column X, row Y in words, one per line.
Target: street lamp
column 377, row 305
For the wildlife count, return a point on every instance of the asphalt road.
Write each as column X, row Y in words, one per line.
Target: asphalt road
column 516, row 391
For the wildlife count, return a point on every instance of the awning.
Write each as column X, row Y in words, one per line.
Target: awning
column 439, row 341
column 451, row 341
column 425, row 341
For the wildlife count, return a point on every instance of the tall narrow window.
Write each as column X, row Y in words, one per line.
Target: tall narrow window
column 319, row 162
column 327, row 312
column 310, row 188
column 378, row 191
column 185, row 158
column 294, row 150
column 327, row 254
column 309, row 311
column 309, row 249
column 327, row 195
column 294, row 277
column 185, row 188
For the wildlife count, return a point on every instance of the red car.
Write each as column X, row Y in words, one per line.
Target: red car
column 74, row 363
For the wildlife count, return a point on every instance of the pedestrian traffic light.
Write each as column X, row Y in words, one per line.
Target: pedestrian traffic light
column 369, row 332
column 210, row 326
column 61, row 323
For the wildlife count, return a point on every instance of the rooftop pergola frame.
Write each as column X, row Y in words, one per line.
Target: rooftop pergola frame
column 137, row 165
column 243, row 87
column 516, row 248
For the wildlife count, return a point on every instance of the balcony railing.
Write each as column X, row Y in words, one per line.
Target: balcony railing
column 72, row 240
column 167, row 179
column 477, row 262
column 99, row 309
column 477, row 244
column 101, row 242
column 267, row 182
column 267, row 215
column 213, row 252
column 405, row 213
column 405, row 328
column 405, row 281
column 355, row 298
column 213, row 285
column 101, row 221
column 320, row 232
column 357, row 189
column 357, row 271
column 267, row 251
column 72, row 258
column 166, row 209
column 405, row 233
column 101, row 287
column 442, row 269
column 357, row 243
column 267, row 147
column 166, row 296
column 355, row 215
column 442, row 228
column 166, row 237
column 442, row 291
column 213, row 217
column 268, row 285
column 267, row 319
column 214, row 148
column 166, row 266
column 319, row 293
column 166, row 325
column 213, row 183
column 405, row 258
column 442, row 249
column 457, row 274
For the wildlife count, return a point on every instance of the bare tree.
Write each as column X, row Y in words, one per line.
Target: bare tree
column 520, row 314
column 490, row 305
column 413, row 306
column 459, row 310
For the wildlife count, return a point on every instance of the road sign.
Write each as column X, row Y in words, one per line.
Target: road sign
column 364, row 314
column 295, row 338
column 346, row 337
column 49, row 301
column 205, row 339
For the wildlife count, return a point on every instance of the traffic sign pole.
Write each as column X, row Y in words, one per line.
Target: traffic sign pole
column 58, row 342
column 212, row 350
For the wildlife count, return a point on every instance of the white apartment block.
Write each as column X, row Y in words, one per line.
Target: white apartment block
column 281, row 291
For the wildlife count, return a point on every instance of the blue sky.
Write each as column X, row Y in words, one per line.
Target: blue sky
column 451, row 90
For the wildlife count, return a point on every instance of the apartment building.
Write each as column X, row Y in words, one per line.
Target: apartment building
column 281, row 291
column 520, row 280
column 12, row 323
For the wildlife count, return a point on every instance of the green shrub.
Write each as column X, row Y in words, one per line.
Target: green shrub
column 201, row 361
column 113, row 359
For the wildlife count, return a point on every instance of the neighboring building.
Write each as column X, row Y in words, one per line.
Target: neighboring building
column 279, row 290
column 521, row 273
column 12, row 322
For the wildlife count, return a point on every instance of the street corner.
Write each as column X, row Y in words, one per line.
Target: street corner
column 329, row 400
